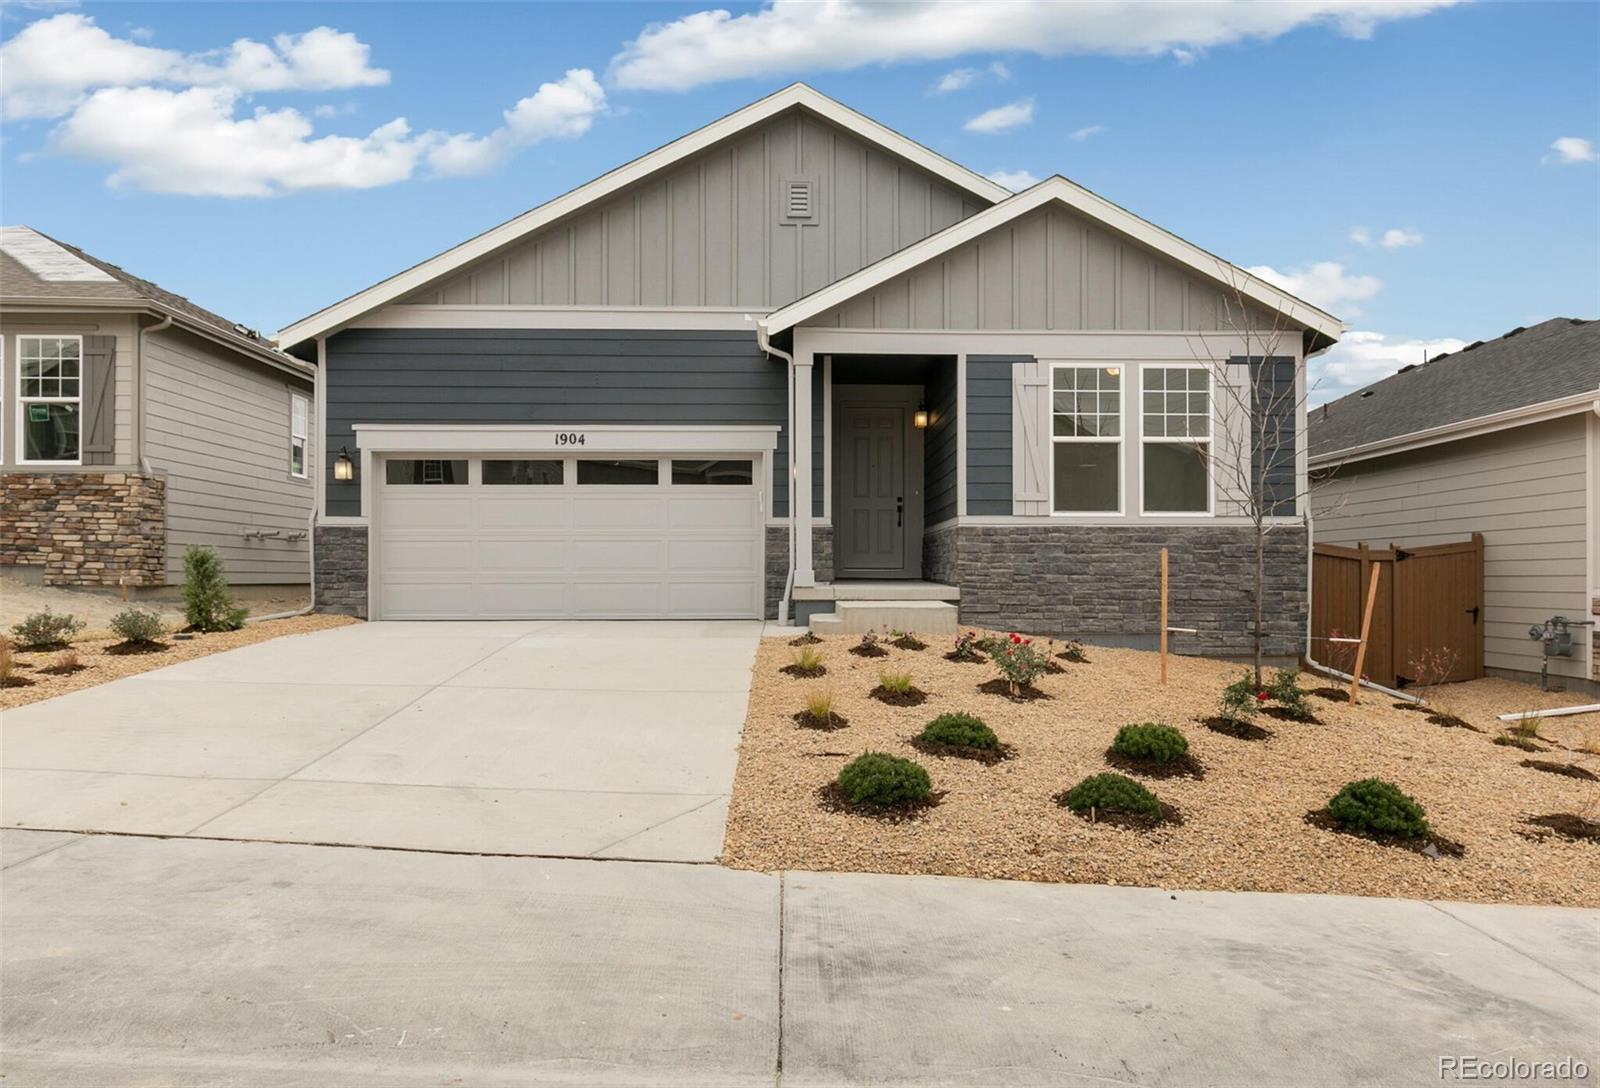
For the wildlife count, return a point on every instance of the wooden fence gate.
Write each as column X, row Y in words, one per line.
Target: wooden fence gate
column 1429, row 608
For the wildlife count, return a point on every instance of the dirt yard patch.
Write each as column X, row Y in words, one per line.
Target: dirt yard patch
column 1244, row 823
column 44, row 674
column 19, row 599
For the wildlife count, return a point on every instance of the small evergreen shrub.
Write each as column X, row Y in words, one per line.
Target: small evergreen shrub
column 1285, row 691
column 1112, row 793
column 207, row 603
column 960, row 730
column 138, row 627
column 1241, row 700
column 876, row 778
column 1150, row 741
column 1376, row 806
column 47, row 628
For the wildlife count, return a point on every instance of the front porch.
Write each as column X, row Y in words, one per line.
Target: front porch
column 855, row 607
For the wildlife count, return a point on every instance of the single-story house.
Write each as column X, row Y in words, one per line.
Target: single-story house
column 1500, row 438
column 134, row 423
column 795, row 360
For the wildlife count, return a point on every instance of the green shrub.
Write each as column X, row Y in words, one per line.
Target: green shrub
column 1150, row 741
column 207, row 604
column 961, row 730
column 46, row 628
column 1019, row 663
column 1240, row 699
column 1112, row 793
column 876, row 778
column 135, row 625
column 1285, row 691
column 1378, row 806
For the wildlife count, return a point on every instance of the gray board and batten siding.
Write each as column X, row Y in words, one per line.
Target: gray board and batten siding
column 712, row 231
column 588, row 377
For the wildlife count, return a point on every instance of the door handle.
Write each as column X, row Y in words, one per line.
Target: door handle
column 899, row 511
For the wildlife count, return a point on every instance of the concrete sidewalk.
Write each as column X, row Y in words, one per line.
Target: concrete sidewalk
column 134, row 960
column 553, row 738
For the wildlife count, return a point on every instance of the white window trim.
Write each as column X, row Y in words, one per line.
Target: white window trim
column 1209, row 441
column 304, row 438
column 22, row 402
column 1120, row 443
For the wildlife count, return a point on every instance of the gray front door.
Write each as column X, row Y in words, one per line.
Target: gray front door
column 870, row 519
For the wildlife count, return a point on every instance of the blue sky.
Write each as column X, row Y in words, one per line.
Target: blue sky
column 1286, row 142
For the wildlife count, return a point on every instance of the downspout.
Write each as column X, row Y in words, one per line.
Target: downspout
column 788, row 582
column 141, row 393
column 313, row 472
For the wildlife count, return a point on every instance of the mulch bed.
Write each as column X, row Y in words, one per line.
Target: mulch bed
column 1074, row 657
column 1429, row 845
column 1052, row 669
column 831, row 799
column 987, row 756
column 807, row 720
column 128, row 649
column 1414, row 708
column 1284, row 714
column 868, row 649
column 1565, row 824
column 1237, row 730
column 1185, row 766
column 909, row 642
column 16, row 682
column 1571, row 770
column 807, row 639
column 1333, row 695
column 976, row 659
column 1025, row 694
column 804, row 674
column 62, row 670
column 1130, row 821
column 1509, row 740
column 909, row 697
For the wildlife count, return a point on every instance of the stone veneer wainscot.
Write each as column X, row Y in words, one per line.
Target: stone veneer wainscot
column 85, row 528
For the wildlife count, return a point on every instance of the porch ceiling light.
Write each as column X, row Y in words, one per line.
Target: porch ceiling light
column 1113, row 370
column 919, row 418
column 343, row 467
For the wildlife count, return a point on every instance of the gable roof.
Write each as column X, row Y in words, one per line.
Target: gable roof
column 36, row 269
column 1058, row 189
column 796, row 95
column 1542, row 365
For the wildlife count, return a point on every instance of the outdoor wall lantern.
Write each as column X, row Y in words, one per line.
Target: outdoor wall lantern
column 919, row 418
column 343, row 467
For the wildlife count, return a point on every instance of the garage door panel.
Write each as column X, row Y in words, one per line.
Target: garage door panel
column 556, row 551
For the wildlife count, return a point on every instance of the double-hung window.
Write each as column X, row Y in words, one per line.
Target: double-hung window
column 1086, row 439
column 49, row 399
column 299, row 428
column 1175, row 431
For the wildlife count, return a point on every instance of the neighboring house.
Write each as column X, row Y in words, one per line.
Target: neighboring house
column 1499, row 438
column 594, row 408
column 134, row 423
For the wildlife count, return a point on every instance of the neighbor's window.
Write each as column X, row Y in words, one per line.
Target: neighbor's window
column 299, row 427
column 49, row 394
column 1086, row 439
column 619, row 472
column 1176, row 432
column 521, row 472
column 727, row 473
column 425, row 472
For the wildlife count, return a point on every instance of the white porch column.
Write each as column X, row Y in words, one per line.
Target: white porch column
column 800, row 483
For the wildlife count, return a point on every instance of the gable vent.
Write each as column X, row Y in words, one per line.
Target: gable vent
column 799, row 200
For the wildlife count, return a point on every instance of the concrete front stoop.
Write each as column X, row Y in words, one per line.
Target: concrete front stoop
column 859, row 617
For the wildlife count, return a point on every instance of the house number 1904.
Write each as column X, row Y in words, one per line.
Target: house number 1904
column 569, row 438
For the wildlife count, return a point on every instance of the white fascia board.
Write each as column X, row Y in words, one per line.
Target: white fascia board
column 342, row 313
column 1589, row 400
column 1056, row 190
column 610, row 318
column 529, row 438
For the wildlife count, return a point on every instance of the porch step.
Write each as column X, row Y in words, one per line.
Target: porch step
column 859, row 617
column 907, row 590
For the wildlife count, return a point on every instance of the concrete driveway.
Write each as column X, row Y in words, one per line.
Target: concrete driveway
column 550, row 738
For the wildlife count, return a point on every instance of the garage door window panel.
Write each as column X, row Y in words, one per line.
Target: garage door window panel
column 409, row 472
column 620, row 473
column 529, row 473
column 713, row 473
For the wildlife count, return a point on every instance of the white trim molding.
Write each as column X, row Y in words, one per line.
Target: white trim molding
column 1056, row 190
column 1586, row 401
column 572, row 440
column 340, row 314
column 694, row 319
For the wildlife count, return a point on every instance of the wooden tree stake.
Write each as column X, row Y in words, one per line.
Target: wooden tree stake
column 1366, row 626
column 1163, row 615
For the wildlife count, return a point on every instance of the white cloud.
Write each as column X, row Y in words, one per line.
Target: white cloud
column 562, row 110
column 960, row 79
column 49, row 66
column 1393, row 238
column 1362, row 358
column 835, row 35
column 1571, row 149
column 1087, row 131
column 1002, row 118
column 1015, row 180
column 1325, row 284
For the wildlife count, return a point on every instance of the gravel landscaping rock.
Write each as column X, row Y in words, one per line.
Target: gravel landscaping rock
column 1244, row 824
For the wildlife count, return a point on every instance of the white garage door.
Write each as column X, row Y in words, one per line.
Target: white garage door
column 539, row 537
